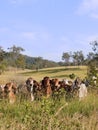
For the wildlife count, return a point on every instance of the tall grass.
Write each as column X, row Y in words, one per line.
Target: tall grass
column 49, row 114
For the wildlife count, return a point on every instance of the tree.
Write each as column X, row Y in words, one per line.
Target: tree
column 93, row 64
column 2, row 63
column 20, row 62
column 14, row 55
column 95, row 46
column 38, row 63
column 1, row 54
column 66, row 57
column 90, row 56
column 78, row 57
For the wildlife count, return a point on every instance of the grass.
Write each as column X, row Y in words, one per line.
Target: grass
column 57, row 72
column 49, row 114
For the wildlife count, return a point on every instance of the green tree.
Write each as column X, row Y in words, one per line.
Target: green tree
column 94, row 46
column 95, row 50
column 66, row 57
column 20, row 62
column 93, row 64
column 78, row 57
column 1, row 54
column 2, row 62
column 38, row 61
column 90, row 56
column 14, row 55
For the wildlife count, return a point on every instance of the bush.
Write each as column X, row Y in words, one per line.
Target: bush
column 72, row 76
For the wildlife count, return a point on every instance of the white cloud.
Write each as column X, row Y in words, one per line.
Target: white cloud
column 89, row 7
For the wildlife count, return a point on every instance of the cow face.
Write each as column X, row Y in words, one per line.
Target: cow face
column 10, row 87
column 29, row 84
column 55, row 84
column 10, row 92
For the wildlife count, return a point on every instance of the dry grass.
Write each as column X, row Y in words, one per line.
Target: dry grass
column 56, row 72
column 49, row 114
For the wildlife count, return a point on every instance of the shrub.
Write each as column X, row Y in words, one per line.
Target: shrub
column 72, row 76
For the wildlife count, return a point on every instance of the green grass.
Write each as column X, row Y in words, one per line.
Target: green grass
column 56, row 72
column 49, row 114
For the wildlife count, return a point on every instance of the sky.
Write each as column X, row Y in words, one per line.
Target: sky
column 47, row 28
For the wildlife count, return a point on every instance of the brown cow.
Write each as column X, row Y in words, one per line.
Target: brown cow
column 10, row 92
column 46, row 86
column 55, row 84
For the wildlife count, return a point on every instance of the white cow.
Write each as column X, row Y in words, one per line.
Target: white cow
column 82, row 91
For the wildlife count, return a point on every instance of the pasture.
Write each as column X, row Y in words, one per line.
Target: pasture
column 57, row 72
column 49, row 114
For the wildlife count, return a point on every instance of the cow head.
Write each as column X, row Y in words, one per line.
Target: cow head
column 29, row 84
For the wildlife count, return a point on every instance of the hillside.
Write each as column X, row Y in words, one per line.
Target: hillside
column 26, row 62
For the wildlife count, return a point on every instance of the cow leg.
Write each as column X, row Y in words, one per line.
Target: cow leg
column 32, row 97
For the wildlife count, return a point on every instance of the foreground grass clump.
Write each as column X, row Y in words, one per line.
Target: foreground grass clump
column 49, row 114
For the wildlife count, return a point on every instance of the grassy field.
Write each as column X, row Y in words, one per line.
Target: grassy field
column 57, row 72
column 49, row 114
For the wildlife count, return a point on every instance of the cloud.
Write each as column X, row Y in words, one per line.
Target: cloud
column 89, row 7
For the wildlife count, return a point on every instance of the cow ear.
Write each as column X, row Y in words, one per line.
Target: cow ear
column 26, row 81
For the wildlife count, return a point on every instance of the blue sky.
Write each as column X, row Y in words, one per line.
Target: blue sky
column 47, row 28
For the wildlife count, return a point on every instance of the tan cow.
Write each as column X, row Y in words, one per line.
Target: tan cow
column 10, row 92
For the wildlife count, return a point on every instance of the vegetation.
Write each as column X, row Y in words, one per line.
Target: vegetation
column 15, row 58
column 49, row 114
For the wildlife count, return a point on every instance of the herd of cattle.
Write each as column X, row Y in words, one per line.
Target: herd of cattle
column 46, row 87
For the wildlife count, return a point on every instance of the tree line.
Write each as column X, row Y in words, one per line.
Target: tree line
column 78, row 58
column 14, row 57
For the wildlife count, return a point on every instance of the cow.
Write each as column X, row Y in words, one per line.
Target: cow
column 55, row 84
column 82, row 91
column 9, row 92
column 1, row 91
column 67, row 85
column 76, row 86
column 79, row 88
column 77, row 82
column 46, row 86
column 32, row 87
